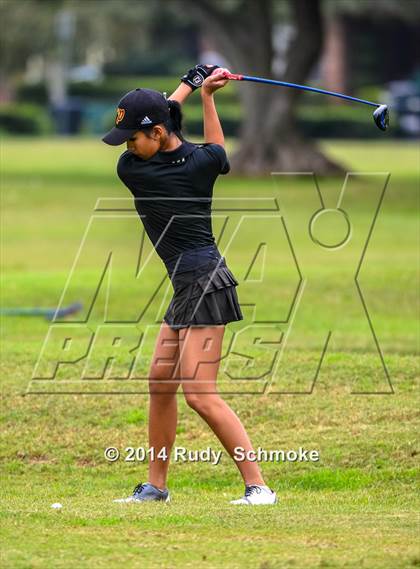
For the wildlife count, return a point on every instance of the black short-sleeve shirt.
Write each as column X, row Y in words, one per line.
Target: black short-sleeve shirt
column 173, row 193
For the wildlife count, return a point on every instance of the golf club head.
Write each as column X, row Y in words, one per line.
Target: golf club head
column 54, row 314
column 381, row 117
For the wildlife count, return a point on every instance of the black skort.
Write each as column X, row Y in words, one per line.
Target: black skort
column 204, row 290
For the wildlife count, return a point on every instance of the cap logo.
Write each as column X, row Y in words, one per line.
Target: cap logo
column 120, row 115
column 146, row 120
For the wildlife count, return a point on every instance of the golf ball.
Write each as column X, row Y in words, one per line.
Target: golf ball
column 56, row 506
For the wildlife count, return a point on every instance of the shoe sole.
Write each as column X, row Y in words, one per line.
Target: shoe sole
column 167, row 500
column 250, row 504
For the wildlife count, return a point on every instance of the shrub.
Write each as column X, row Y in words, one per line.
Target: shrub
column 24, row 118
column 112, row 89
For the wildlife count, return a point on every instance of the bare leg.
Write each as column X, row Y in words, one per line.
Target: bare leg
column 163, row 385
column 199, row 357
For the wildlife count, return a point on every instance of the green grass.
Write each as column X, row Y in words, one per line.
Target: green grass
column 356, row 507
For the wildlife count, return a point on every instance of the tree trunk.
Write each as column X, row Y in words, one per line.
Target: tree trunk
column 269, row 138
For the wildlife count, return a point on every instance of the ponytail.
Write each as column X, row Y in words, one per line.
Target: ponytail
column 174, row 124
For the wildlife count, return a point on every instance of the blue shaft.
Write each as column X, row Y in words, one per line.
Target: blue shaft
column 304, row 88
column 26, row 311
column 49, row 313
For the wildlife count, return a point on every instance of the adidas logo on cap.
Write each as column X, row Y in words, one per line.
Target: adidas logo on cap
column 146, row 120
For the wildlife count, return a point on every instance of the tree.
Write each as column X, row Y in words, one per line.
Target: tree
column 243, row 29
column 128, row 33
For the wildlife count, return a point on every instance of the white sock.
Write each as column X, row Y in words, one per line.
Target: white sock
column 157, row 488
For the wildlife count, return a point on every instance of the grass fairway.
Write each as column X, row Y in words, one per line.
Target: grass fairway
column 356, row 507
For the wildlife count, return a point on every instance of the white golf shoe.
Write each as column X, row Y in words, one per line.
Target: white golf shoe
column 256, row 495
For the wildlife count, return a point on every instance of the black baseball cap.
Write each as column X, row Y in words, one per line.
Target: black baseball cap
column 138, row 109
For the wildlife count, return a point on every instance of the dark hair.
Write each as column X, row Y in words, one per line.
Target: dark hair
column 174, row 123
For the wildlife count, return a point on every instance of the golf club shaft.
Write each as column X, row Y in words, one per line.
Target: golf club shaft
column 238, row 77
column 26, row 311
column 49, row 313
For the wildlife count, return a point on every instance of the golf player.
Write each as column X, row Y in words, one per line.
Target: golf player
column 172, row 182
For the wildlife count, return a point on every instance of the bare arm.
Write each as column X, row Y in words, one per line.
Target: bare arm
column 181, row 93
column 213, row 131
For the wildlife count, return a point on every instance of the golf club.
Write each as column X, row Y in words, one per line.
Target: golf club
column 49, row 313
column 380, row 115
